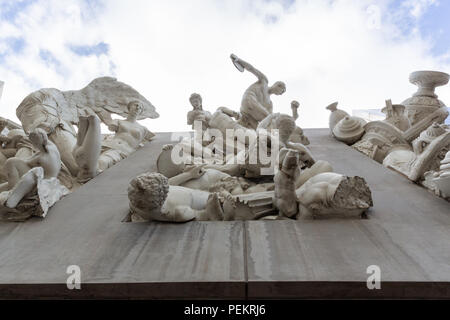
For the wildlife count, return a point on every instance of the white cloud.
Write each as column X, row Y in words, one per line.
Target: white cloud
column 324, row 51
column 417, row 8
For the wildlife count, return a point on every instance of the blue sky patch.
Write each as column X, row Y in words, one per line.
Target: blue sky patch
column 11, row 9
column 98, row 49
column 433, row 24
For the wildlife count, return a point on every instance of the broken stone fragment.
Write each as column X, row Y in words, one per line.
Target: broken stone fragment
column 332, row 195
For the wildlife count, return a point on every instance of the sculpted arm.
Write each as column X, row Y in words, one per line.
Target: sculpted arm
column 247, row 66
column 149, row 135
column 229, row 112
column 105, row 117
column 193, row 173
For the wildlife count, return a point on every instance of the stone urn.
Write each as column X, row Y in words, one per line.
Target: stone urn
column 349, row 129
column 424, row 102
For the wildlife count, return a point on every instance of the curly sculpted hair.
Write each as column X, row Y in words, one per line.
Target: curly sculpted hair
column 148, row 191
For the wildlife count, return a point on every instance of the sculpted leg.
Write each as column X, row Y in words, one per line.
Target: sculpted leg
column 287, row 208
column 65, row 141
column 88, row 148
column 15, row 169
column 109, row 158
column 25, row 185
column 184, row 214
column 229, row 208
column 213, row 211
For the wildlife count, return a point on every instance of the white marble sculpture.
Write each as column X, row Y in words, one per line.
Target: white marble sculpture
column 349, row 129
column 300, row 187
column 256, row 103
column 336, row 115
column 298, row 135
column 223, row 119
column 441, row 178
column 152, row 198
column 58, row 111
column 88, row 147
column 47, row 157
column 33, row 186
column 424, row 102
column 391, row 141
column 396, row 115
column 10, row 136
column 129, row 135
column 285, row 198
column 425, row 154
column 333, row 195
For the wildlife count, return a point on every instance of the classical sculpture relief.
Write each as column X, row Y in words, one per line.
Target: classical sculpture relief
column 45, row 156
column 332, row 195
column 336, row 115
column 256, row 103
column 427, row 152
column 412, row 139
column 57, row 111
column 299, row 186
column 152, row 198
column 349, row 129
column 395, row 115
column 88, row 148
column 424, row 102
column 32, row 185
column 441, row 178
column 129, row 135
column 285, row 198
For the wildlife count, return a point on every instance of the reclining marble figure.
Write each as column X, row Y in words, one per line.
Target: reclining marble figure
column 153, row 198
column 129, row 135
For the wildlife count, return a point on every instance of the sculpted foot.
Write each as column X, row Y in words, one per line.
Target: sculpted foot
column 229, row 207
column 214, row 210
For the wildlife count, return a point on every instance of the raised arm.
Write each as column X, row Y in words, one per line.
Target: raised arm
column 105, row 117
column 247, row 66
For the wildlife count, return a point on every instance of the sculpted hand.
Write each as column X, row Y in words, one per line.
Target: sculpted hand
column 295, row 104
column 196, row 171
column 113, row 127
column 167, row 147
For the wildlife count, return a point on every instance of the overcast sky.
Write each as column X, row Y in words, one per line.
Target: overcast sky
column 357, row 52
